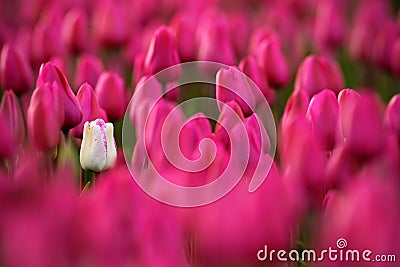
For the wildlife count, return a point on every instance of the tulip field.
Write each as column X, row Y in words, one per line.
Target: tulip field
column 215, row 133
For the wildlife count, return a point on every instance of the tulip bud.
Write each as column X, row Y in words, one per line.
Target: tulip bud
column 384, row 43
column 11, row 110
column 111, row 95
column 7, row 145
column 215, row 45
column 273, row 62
column 366, row 135
column 90, row 108
column 88, row 69
column 329, row 28
column 98, row 149
column 15, row 72
column 49, row 73
column 75, row 30
column 392, row 115
column 185, row 29
column 250, row 67
column 231, row 85
column 317, row 73
column 323, row 113
column 395, row 55
column 45, row 117
column 162, row 54
column 348, row 99
column 110, row 23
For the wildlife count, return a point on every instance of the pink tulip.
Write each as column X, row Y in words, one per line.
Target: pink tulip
column 368, row 18
column 323, row 113
column 162, row 53
column 111, row 95
column 227, row 121
column 383, row 44
column 45, row 116
column 11, row 110
column 296, row 108
column 90, row 108
column 317, row 73
column 138, row 68
column 250, row 67
column 110, row 25
column 392, row 115
column 329, row 29
column 7, row 140
column 50, row 74
column 273, row 62
column 395, row 55
column 15, row 72
column 223, row 240
column 366, row 215
column 298, row 149
column 88, row 70
column 75, row 31
column 47, row 40
column 348, row 99
column 232, row 84
column 184, row 28
column 215, row 44
column 366, row 134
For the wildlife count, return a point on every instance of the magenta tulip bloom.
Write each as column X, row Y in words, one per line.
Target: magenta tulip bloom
column 250, row 67
column 323, row 113
column 348, row 99
column 88, row 69
column 90, row 108
column 15, row 72
column 162, row 53
column 184, row 28
column 317, row 73
column 273, row 62
column 366, row 134
column 10, row 108
column 232, row 84
column 50, row 74
column 45, row 117
column 392, row 115
column 111, row 95
column 75, row 30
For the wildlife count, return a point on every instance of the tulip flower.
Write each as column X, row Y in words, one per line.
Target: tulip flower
column 75, row 30
column 7, row 141
column 162, row 54
column 348, row 99
column 392, row 115
column 215, row 44
column 45, row 117
column 317, row 73
column 88, row 69
column 11, row 110
column 110, row 90
column 184, row 28
column 366, row 132
column 250, row 67
column 110, row 25
column 49, row 73
column 366, row 215
column 383, row 44
column 98, row 149
column 329, row 27
column 273, row 62
column 15, row 72
column 232, row 84
column 90, row 108
column 323, row 112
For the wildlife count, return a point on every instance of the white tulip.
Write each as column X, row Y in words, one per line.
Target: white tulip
column 98, row 149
